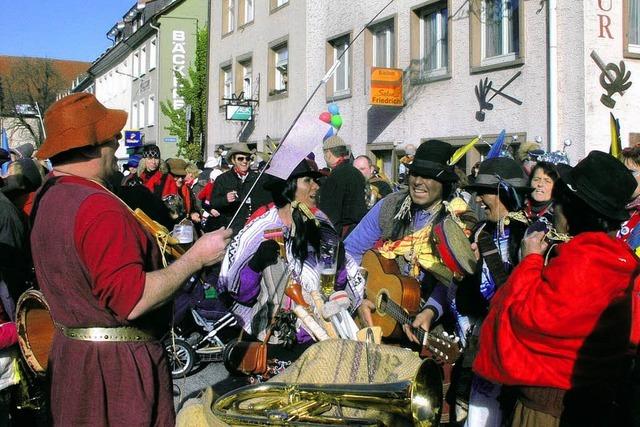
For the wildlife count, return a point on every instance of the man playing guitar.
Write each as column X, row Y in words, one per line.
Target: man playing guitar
column 401, row 224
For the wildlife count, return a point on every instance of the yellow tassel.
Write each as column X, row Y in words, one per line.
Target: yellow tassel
column 306, row 212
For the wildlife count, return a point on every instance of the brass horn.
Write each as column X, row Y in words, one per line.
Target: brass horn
column 419, row 400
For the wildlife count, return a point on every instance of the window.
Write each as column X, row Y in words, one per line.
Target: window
column 151, row 111
column 278, row 69
column 136, row 64
column 245, row 79
column 227, row 82
column 228, row 16
column 499, row 30
column 141, row 19
column 497, row 34
column 141, row 115
column 341, row 77
column 134, row 115
column 247, row 11
column 153, row 51
column 384, row 46
column 434, row 41
column 632, row 28
column 143, row 61
column 278, row 3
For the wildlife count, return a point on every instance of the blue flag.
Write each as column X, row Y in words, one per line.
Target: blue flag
column 497, row 146
column 5, row 146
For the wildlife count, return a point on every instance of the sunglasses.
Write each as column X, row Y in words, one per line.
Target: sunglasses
column 243, row 158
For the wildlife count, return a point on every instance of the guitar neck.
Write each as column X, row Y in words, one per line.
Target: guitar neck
column 401, row 316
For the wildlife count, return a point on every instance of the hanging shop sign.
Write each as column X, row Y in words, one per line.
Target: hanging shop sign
column 238, row 108
column 386, row 87
column 132, row 138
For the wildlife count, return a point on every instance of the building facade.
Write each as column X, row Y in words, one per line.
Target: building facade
column 468, row 68
column 154, row 40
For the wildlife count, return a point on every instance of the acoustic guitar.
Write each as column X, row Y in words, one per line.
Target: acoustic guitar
column 397, row 300
column 444, row 347
column 383, row 277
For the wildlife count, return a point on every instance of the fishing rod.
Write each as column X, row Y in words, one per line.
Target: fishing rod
column 324, row 80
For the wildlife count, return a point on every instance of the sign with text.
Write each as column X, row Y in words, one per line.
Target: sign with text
column 386, row 87
column 239, row 112
column 132, row 138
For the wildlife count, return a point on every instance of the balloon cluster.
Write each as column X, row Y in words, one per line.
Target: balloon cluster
column 333, row 118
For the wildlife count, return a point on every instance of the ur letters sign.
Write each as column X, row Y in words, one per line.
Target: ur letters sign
column 386, row 87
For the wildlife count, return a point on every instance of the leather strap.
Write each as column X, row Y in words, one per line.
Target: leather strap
column 491, row 255
column 99, row 334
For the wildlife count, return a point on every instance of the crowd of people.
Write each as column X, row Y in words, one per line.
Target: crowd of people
column 548, row 323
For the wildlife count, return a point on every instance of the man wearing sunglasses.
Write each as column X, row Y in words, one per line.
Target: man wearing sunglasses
column 232, row 187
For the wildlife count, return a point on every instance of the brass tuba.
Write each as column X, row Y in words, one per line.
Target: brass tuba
column 419, row 400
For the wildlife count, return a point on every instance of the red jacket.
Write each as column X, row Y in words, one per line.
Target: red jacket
column 565, row 324
column 159, row 184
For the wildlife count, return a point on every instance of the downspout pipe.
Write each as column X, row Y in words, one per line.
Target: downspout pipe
column 552, row 74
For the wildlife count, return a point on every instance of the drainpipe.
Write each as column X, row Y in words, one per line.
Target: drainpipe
column 552, row 73
column 157, row 109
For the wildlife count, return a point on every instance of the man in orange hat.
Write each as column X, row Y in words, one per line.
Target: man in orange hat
column 98, row 269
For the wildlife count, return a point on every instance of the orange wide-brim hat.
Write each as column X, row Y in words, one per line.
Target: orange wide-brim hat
column 79, row 120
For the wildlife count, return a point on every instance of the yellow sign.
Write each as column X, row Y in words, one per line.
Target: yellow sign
column 386, row 87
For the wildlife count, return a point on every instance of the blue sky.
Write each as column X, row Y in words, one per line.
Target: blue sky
column 60, row 29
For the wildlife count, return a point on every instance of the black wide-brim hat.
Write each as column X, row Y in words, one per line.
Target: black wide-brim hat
column 431, row 160
column 306, row 167
column 493, row 170
column 602, row 182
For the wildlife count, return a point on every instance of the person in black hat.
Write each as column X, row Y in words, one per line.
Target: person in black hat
column 251, row 270
column 232, row 187
column 400, row 215
column 155, row 173
column 500, row 186
column 560, row 332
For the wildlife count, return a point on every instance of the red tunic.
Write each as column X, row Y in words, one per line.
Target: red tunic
column 565, row 325
column 91, row 256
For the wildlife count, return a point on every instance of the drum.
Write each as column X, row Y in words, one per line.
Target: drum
column 454, row 248
column 35, row 330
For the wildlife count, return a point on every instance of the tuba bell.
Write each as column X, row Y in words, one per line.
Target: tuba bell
column 419, row 400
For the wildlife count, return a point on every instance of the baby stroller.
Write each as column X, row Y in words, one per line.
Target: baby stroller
column 202, row 327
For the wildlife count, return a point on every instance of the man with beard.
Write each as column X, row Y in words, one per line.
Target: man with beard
column 99, row 271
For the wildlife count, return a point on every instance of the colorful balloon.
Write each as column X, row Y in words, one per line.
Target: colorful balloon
column 333, row 109
column 336, row 121
column 325, row 117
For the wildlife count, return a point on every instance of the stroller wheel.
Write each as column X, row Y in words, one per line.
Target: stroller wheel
column 181, row 357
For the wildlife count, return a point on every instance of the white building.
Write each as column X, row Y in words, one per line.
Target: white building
column 444, row 49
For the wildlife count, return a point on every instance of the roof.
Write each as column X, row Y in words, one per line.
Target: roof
column 69, row 70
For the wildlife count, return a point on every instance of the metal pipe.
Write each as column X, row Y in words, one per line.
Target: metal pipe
column 552, row 73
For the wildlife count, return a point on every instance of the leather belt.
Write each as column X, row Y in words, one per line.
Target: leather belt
column 115, row 334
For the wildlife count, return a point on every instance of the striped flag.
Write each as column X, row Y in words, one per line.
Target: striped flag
column 303, row 138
